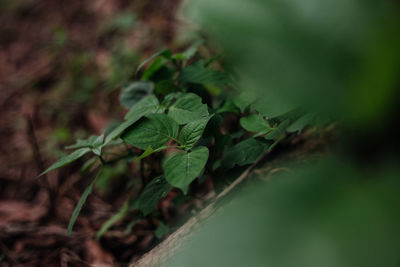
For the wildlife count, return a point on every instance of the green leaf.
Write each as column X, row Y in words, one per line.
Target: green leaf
column 191, row 51
column 146, row 153
column 166, row 87
column 188, row 108
column 279, row 131
column 161, row 230
column 153, row 131
column 228, row 106
column 147, row 105
column 80, row 143
column 165, row 72
column 82, row 200
column 254, row 123
column 192, row 132
column 197, row 73
column 118, row 131
column 181, row 169
column 134, row 92
column 157, row 189
column 243, row 153
column 95, row 143
column 243, row 100
column 115, row 218
column 67, row 159
column 170, row 98
column 154, row 67
column 92, row 141
column 166, row 53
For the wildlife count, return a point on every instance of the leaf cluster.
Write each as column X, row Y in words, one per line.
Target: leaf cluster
column 178, row 110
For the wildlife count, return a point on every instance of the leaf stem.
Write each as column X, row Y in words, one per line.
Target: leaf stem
column 103, row 162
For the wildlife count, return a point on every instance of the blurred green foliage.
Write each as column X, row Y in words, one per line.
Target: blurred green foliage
column 335, row 59
column 325, row 214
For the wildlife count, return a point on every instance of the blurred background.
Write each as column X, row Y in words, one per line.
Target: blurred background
column 340, row 60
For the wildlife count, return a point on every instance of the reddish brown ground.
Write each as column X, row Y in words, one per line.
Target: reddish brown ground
column 42, row 110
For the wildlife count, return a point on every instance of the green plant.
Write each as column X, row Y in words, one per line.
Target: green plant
column 190, row 114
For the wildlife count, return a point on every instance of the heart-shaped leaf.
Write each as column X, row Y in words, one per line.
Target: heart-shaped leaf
column 188, row 108
column 279, row 131
column 197, row 73
column 243, row 153
column 181, row 169
column 147, row 105
column 192, row 132
column 153, row 131
column 152, row 193
column 254, row 123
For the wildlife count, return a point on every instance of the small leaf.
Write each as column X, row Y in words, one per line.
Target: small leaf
column 161, row 230
column 92, row 141
column 134, row 92
column 197, row 73
column 80, row 143
column 67, row 159
column 98, row 141
column 181, row 169
column 166, row 53
column 95, row 143
column 254, row 123
column 82, row 200
column 157, row 189
column 243, row 153
column 192, row 132
column 188, row 108
column 154, row 131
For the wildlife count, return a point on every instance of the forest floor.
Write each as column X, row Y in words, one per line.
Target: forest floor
column 61, row 66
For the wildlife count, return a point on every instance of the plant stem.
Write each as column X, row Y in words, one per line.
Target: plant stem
column 103, row 162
